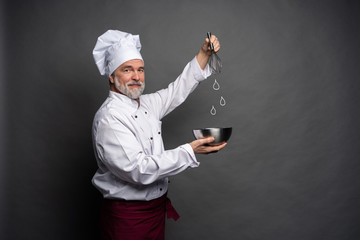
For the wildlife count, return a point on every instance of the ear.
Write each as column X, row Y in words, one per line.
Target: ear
column 111, row 78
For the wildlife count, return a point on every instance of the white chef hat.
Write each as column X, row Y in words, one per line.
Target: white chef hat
column 113, row 48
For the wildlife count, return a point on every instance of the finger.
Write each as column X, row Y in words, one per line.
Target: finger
column 207, row 140
column 222, row 145
column 216, row 44
column 210, row 44
column 216, row 47
column 214, row 39
column 201, row 143
column 206, row 45
column 217, row 147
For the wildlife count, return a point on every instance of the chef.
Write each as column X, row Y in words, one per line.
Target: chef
column 133, row 166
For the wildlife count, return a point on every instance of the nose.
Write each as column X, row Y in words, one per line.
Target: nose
column 136, row 76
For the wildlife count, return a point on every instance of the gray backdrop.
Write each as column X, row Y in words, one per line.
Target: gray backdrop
column 290, row 79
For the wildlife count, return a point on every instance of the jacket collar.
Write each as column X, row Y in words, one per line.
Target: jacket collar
column 127, row 102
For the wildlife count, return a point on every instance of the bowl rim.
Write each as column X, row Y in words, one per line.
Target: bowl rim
column 210, row 128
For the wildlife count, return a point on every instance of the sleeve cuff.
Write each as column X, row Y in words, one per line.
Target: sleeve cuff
column 190, row 151
column 200, row 74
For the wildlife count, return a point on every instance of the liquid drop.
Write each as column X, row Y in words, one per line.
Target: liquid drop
column 216, row 85
column 222, row 101
column 213, row 110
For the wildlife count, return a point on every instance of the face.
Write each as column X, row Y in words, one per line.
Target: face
column 129, row 79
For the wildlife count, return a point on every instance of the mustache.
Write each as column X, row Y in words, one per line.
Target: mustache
column 134, row 83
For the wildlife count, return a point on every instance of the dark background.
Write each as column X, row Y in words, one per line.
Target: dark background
column 290, row 80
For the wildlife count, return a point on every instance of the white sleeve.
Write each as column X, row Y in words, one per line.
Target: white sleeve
column 164, row 101
column 121, row 152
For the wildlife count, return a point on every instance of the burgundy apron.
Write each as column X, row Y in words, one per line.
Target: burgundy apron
column 135, row 220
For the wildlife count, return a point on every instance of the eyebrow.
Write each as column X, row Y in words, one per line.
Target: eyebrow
column 128, row 66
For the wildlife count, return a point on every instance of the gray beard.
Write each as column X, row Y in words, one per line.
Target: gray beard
column 131, row 93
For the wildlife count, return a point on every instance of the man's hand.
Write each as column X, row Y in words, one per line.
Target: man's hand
column 205, row 52
column 206, row 46
column 199, row 146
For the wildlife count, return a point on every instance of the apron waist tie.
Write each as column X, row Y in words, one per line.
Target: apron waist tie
column 170, row 210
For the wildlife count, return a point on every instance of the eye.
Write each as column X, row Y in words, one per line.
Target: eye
column 141, row 70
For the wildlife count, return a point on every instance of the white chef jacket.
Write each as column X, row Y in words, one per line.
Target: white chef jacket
column 132, row 162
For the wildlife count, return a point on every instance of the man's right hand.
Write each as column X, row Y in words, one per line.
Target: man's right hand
column 200, row 146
